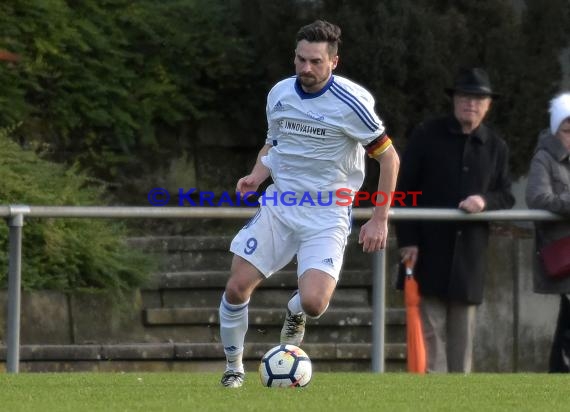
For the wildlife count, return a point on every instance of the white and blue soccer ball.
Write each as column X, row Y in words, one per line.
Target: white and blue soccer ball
column 285, row 366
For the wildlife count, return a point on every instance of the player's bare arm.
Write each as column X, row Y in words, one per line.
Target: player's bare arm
column 374, row 233
column 258, row 174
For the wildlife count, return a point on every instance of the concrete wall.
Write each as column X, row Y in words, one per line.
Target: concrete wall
column 514, row 327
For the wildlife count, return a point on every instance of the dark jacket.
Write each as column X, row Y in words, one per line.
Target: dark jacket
column 447, row 166
column 548, row 188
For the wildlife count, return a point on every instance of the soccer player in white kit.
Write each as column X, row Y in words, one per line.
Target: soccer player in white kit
column 320, row 126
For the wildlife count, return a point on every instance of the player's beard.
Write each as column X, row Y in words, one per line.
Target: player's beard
column 310, row 81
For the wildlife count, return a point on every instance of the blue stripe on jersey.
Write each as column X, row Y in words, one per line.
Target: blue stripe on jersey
column 355, row 105
column 358, row 103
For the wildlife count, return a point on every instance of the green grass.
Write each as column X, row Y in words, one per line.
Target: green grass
column 326, row 393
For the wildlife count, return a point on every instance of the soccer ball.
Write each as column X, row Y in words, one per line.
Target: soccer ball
column 285, row 366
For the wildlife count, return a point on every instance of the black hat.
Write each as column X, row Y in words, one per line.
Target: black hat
column 472, row 81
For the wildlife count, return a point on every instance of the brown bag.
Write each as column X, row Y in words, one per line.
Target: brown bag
column 556, row 258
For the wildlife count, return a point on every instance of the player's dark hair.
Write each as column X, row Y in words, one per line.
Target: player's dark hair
column 321, row 31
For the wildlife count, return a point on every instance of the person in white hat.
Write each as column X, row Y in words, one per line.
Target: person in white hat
column 548, row 188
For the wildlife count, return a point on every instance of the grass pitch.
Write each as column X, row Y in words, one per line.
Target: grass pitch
column 327, row 392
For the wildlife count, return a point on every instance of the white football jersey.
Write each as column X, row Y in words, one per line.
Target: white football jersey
column 317, row 139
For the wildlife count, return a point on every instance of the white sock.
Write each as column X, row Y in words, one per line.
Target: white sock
column 233, row 327
column 294, row 304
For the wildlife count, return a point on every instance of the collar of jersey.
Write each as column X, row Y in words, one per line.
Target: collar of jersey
column 304, row 95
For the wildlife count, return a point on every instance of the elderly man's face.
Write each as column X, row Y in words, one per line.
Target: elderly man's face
column 470, row 110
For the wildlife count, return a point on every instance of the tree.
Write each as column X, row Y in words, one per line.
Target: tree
column 123, row 88
column 103, row 83
column 64, row 254
column 536, row 76
column 406, row 53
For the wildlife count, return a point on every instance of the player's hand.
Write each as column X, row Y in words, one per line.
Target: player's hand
column 247, row 184
column 472, row 204
column 373, row 235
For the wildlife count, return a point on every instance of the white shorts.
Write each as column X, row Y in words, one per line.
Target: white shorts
column 277, row 233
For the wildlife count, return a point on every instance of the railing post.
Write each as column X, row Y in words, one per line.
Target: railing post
column 15, row 223
column 378, row 309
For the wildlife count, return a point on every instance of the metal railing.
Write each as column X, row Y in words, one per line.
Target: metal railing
column 16, row 214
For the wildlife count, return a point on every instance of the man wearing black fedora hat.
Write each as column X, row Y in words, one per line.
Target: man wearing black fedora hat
column 473, row 81
column 456, row 161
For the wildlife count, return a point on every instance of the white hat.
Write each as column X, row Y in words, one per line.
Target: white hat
column 559, row 111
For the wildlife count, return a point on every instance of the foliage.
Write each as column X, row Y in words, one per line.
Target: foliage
column 98, row 78
column 122, row 88
column 64, row 254
column 406, row 53
column 537, row 73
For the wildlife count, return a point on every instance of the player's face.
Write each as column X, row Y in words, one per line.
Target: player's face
column 563, row 133
column 470, row 110
column 313, row 65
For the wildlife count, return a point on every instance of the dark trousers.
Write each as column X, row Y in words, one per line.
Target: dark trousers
column 560, row 352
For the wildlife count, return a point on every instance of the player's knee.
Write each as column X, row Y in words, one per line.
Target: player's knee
column 314, row 308
column 236, row 293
